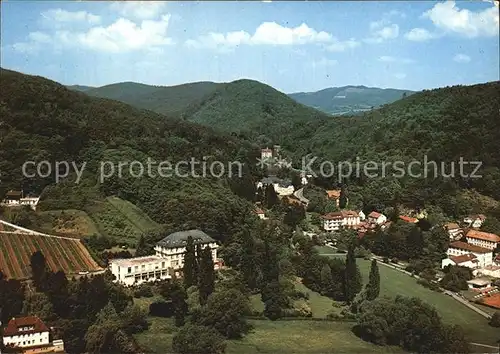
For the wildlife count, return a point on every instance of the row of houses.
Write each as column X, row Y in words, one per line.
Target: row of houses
column 167, row 260
column 335, row 221
column 30, row 335
column 17, row 198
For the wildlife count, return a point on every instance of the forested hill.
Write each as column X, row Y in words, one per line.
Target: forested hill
column 445, row 124
column 253, row 109
column 169, row 100
column 349, row 99
column 43, row 120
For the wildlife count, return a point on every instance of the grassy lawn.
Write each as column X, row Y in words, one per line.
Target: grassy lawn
column 303, row 336
column 273, row 337
column 393, row 282
column 320, row 305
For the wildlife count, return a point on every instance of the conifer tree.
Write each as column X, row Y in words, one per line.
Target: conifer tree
column 188, row 269
column 179, row 303
column 141, row 248
column 352, row 281
column 343, row 197
column 207, row 275
column 373, row 286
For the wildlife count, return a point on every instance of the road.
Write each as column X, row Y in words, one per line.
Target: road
column 299, row 193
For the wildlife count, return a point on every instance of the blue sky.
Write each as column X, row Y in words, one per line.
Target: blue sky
column 292, row 46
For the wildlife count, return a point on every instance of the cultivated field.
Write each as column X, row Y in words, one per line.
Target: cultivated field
column 69, row 255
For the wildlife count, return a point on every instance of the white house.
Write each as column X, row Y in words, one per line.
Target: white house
column 475, row 221
column 483, row 239
column 454, row 231
column 16, row 198
column 31, row 335
column 362, row 215
column 376, row 218
column 459, row 248
column 468, row 260
column 489, row 271
column 260, row 213
column 342, row 219
column 135, row 271
column 479, row 283
column 266, row 154
column 173, row 247
column 281, row 187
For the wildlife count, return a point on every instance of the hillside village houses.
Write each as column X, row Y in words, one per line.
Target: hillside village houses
column 30, row 335
column 334, row 194
column 17, row 198
column 342, row 219
column 484, row 256
column 474, row 221
column 281, row 187
column 483, row 239
column 168, row 259
column 454, row 231
column 260, row 213
column 377, row 218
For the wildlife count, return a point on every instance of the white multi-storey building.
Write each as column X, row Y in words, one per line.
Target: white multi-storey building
column 342, row 219
column 458, row 248
column 16, row 198
column 135, row 271
column 173, row 247
column 30, row 335
column 168, row 260
column 483, row 239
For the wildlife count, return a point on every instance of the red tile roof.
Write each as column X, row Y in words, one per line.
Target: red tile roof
column 408, row 219
column 259, row 211
column 464, row 258
column 333, row 194
column 374, row 214
column 468, row 247
column 485, row 236
column 14, row 327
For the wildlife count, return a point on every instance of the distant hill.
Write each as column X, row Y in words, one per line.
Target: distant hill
column 80, row 88
column 349, row 99
column 168, row 100
column 43, row 120
column 252, row 109
column 445, row 125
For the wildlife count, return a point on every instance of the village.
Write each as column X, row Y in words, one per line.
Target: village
column 469, row 247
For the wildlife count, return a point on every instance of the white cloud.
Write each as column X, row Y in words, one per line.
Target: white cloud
column 400, row 76
column 389, row 59
column 271, row 33
column 121, row 36
column 461, row 58
column 340, row 46
column 419, row 35
column 142, row 10
column 323, row 62
column 63, row 16
column 449, row 18
column 379, row 35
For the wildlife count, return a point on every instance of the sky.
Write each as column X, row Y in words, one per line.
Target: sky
column 292, row 46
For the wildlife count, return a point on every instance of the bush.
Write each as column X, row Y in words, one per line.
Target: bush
column 194, row 339
column 143, row 290
column 495, row 319
column 161, row 309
